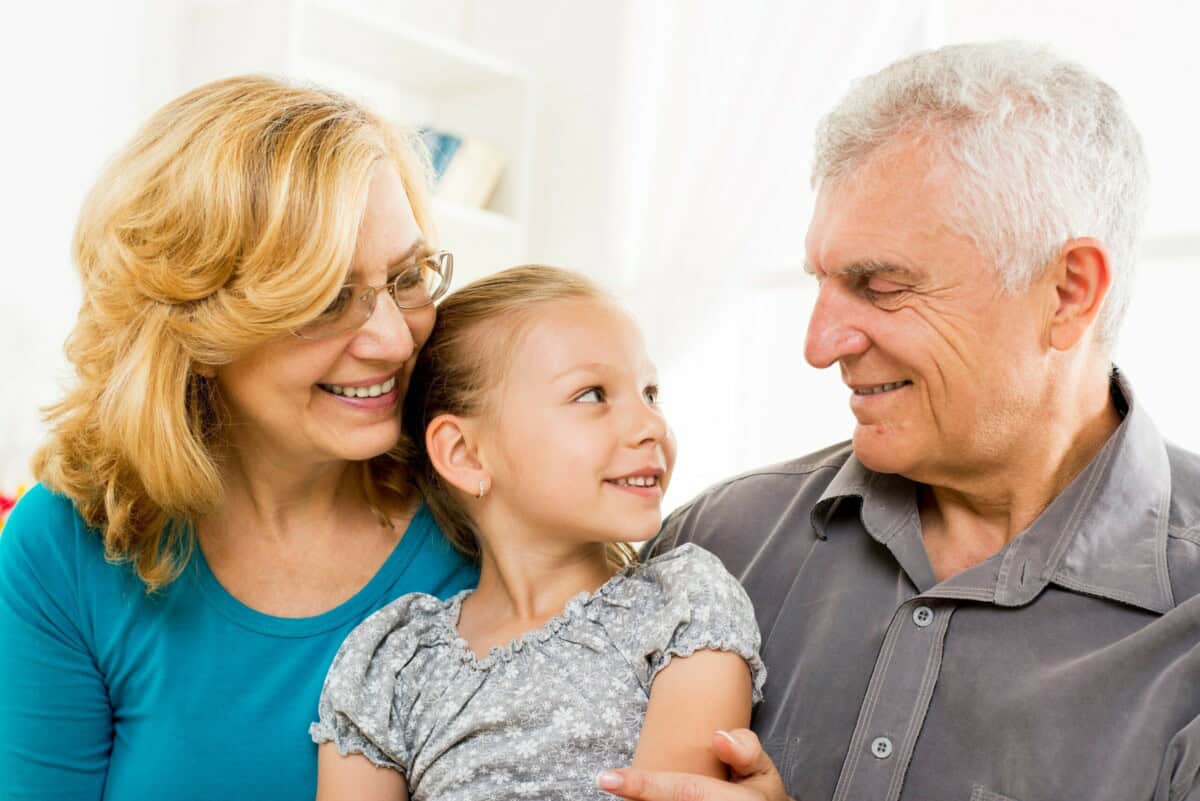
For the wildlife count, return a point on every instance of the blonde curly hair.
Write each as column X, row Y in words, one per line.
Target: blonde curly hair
column 229, row 220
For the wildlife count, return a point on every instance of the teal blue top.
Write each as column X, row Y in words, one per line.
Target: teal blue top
column 108, row 693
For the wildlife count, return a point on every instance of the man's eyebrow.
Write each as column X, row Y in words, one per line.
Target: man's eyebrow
column 870, row 267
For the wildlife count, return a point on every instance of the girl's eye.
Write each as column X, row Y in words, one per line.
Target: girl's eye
column 592, row 395
column 651, row 395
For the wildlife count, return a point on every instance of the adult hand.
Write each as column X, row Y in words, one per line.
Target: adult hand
column 753, row 776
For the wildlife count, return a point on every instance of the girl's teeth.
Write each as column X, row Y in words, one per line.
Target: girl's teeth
column 373, row 391
column 638, row 481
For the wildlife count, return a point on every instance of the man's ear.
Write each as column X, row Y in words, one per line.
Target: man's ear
column 1082, row 277
column 452, row 449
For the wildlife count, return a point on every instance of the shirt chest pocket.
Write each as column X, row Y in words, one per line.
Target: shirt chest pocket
column 979, row 793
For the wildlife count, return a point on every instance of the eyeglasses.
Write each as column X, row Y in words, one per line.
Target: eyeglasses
column 416, row 287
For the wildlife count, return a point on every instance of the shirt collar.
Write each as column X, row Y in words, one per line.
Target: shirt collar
column 1104, row 535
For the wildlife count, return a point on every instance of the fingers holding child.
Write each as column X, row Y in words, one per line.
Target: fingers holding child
column 753, row 776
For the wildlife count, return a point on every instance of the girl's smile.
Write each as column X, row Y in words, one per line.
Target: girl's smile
column 582, row 451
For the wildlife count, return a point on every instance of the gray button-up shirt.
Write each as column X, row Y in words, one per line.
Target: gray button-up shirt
column 1064, row 667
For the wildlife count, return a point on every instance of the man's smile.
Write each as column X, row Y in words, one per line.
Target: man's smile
column 875, row 389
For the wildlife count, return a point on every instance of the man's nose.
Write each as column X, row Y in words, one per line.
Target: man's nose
column 833, row 328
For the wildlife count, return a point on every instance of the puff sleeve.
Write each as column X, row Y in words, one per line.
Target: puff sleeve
column 371, row 687
column 681, row 602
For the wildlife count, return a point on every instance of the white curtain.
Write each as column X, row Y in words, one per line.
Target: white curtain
column 725, row 98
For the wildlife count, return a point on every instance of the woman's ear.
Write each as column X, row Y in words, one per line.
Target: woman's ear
column 204, row 370
column 450, row 442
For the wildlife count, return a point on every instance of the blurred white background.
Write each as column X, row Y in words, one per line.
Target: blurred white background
column 660, row 145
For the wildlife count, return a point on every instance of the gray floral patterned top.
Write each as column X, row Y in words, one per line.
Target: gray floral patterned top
column 541, row 716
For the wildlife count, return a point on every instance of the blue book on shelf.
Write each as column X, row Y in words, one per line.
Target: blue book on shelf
column 442, row 146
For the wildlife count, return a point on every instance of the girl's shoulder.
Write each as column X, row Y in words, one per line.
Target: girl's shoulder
column 687, row 573
column 385, row 663
column 414, row 622
column 686, row 558
column 675, row 604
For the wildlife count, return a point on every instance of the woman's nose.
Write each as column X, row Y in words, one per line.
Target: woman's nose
column 387, row 334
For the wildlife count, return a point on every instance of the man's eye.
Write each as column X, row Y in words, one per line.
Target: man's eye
column 880, row 289
column 591, row 395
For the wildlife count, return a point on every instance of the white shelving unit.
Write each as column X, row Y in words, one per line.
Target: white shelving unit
column 413, row 77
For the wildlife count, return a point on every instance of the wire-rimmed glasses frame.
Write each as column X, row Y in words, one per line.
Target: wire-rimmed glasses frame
column 417, row 286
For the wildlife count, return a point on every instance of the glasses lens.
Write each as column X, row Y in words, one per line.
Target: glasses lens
column 424, row 282
column 349, row 309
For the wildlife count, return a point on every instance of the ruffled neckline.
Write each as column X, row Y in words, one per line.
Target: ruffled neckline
column 576, row 608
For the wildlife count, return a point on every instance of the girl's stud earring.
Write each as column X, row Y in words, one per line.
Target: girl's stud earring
column 482, row 488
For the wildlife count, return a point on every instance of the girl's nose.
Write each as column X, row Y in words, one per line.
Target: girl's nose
column 649, row 425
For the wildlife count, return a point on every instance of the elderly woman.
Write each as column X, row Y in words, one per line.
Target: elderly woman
column 219, row 502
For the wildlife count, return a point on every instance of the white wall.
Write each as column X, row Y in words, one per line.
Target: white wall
column 78, row 79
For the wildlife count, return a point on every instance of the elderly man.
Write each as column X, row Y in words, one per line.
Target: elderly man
column 990, row 593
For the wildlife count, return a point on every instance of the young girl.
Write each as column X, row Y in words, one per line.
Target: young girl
column 544, row 452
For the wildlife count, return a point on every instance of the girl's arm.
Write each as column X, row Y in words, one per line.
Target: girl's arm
column 355, row 778
column 690, row 699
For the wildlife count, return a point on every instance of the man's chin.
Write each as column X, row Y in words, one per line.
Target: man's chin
column 880, row 450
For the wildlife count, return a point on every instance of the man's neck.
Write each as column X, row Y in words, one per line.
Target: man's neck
column 966, row 519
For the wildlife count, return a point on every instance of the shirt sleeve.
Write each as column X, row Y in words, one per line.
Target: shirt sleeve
column 1179, row 775
column 55, row 716
column 368, row 693
column 689, row 603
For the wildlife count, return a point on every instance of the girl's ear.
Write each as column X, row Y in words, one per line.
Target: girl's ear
column 452, row 452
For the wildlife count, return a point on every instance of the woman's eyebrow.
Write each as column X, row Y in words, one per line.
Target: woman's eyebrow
column 407, row 256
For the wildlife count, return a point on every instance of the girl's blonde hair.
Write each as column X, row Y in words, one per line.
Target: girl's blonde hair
column 477, row 331
column 229, row 220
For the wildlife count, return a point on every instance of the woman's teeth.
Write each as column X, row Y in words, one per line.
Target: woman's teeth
column 373, row 391
column 637, row 481
column 880, row 388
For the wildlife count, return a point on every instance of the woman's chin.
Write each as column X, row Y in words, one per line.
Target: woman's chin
column 360, row 446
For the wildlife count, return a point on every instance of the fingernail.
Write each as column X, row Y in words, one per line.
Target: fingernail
column 608, row 780
column 727, row 736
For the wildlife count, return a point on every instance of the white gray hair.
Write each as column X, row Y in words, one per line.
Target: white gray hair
column 1044, row 149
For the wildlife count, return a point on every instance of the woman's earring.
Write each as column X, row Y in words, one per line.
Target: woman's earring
column 482, row 488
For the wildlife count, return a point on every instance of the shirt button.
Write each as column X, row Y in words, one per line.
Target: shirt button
column 881, row 747
column 922, row 616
